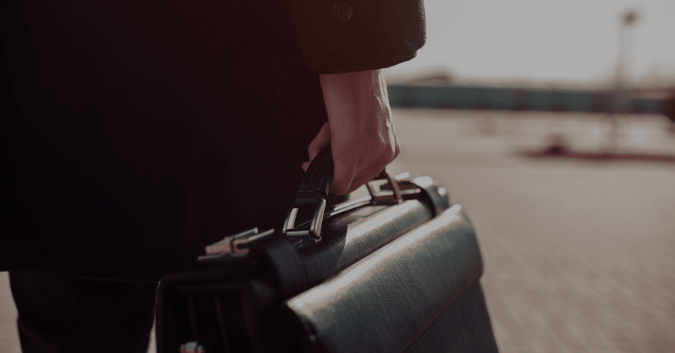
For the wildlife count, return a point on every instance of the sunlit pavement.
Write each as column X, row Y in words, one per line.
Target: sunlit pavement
column 579, row 254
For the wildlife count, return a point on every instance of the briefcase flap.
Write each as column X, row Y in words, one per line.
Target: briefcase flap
column 352, row 236
column 384, row 302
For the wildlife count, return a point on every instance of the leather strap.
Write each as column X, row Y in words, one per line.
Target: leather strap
column 317, row 179
column 287, row 265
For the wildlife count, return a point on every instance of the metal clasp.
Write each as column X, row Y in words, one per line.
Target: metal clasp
column 234, row 246
column 314, row 231
column 384, row 198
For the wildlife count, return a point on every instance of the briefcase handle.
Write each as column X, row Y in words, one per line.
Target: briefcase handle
column 313, row 191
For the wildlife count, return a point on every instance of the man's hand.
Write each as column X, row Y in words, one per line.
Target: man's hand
column 360, row 130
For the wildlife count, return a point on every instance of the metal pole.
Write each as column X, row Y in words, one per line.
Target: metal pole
column 620, row 97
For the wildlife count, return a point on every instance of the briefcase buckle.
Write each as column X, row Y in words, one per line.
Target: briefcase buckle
column 385, row 198
column 313, row 234
column 234, row 246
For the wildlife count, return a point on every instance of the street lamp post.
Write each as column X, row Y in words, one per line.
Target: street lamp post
column 628, row 20
column 620, row 101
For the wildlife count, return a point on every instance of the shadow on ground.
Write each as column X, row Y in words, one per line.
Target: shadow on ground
column 564, row 153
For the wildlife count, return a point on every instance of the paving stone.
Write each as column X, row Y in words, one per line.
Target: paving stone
column 579, row 256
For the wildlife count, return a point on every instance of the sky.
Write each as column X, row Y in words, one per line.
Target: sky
column 544, row 42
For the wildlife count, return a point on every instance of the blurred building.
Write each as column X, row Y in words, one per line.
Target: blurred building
column 438, row 91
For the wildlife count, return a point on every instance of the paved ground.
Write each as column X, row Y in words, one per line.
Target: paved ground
column 579, row 254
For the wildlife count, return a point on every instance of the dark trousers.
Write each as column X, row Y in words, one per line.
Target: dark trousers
column 70, row 314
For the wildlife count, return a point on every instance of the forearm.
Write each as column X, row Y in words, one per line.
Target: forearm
column 352, row 97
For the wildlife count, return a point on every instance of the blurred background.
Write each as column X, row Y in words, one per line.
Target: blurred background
column 547, row 121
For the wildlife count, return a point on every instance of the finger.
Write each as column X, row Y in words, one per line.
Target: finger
column 364, row 177
column 305, row 166
column 320, row 141
column 343, row 174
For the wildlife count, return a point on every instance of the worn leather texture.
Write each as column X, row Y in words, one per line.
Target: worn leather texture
column 464, row 328
column 350, row 238
column 389, row 299
column 346, row 240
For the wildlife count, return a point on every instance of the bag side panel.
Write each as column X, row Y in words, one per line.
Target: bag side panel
column 464, row 328
column 384, row 302
column 350, row 238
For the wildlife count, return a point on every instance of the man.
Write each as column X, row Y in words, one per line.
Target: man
column 136, row 132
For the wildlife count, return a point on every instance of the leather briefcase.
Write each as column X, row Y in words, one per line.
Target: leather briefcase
column 396, row 271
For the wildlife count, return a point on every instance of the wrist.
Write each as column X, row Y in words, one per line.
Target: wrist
column 356, row 94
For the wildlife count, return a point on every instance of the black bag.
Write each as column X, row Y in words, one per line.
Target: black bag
column 397, row 271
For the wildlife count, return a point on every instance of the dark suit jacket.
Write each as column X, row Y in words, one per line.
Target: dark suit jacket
column 343, row 36
column 134, row 132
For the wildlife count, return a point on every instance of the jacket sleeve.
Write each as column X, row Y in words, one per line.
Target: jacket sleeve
column 355, row 35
